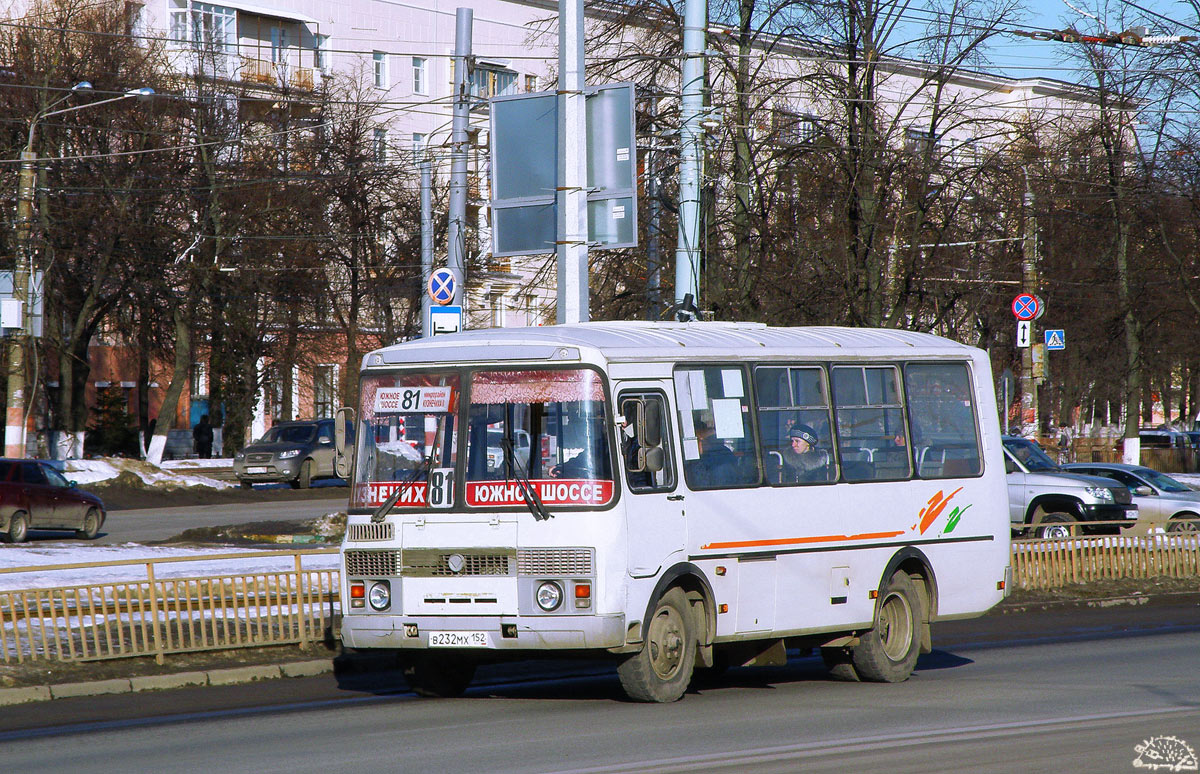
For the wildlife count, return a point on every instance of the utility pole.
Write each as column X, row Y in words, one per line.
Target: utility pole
column 459, row 139
column 687, row 252
column 654, row 231
column 572, row 245
column 426, row 240
column 14, row 423
column 1029, row 283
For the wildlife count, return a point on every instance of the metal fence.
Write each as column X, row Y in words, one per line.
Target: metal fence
column 156, row 616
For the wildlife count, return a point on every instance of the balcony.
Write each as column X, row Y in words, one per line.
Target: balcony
column 302, row 78
column 258, row 71
column 268, row 73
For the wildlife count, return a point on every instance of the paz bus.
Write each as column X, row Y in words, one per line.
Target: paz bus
column 673, row 495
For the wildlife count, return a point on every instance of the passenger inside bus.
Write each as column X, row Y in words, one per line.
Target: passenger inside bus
column 718, row 465
column 802, row 459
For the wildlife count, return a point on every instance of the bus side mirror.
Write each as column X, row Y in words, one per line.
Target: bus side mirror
column 343, row 419
column 655, row 459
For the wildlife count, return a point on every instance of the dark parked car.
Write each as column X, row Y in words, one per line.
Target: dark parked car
column 33, row 495
column 297, row 453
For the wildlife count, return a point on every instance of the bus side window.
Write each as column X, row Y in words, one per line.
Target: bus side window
column 941, row 416
column 645, row 442
column 872, row 441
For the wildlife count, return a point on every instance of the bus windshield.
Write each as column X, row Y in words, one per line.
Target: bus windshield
column 550, row 426
column 406, row 429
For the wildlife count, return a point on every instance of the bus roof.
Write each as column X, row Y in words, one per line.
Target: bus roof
column 652, row 341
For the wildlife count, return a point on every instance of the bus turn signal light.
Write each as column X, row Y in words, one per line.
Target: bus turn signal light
column 358, row 594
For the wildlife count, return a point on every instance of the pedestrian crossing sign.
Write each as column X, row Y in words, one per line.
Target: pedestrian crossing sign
column 1055, row 338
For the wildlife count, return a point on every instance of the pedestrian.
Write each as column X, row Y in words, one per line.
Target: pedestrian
column 202, row 436
column 1065, row 452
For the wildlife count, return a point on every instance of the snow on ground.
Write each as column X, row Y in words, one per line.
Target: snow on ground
column 170, row 476
column 37, row 557
column 1187, row 479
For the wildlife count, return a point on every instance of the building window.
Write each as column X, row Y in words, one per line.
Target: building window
column 487, row 82
column 418, row 143
column 919, row 141
column 199, row 380
column 379, row 60
column 379, row 147
column 530, row 83
column 324, row 390
column 278, row 45
column 203, row 26
column 420, row 83
column 321, row 52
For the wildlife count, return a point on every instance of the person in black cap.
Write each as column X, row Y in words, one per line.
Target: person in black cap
column 802, row 461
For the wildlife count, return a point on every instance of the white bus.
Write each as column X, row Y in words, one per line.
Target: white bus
column 677, row 495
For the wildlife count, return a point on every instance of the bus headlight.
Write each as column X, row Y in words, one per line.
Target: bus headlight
column 549, row 596
column 381, row 595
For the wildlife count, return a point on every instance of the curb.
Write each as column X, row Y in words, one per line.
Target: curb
column 235, row 676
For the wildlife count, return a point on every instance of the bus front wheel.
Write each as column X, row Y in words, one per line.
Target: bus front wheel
column 888, row 653
column 662, row 669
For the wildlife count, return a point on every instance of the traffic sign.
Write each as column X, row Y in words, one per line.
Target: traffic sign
column 441, row 286
column 1023, row 333
column 447, row 319
column 1056, row 338
column 1027, row 306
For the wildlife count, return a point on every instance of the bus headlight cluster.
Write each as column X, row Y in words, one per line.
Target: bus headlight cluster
column 549, row 596
column 380, row 596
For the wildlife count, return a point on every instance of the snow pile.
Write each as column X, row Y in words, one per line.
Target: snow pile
column 33, row 557
column 111, row 468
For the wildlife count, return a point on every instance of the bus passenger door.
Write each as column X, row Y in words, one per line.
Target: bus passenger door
column 653, row 501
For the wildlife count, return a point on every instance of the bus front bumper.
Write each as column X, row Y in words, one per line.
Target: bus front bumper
column 584, row 632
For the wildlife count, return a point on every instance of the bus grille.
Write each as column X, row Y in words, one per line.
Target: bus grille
column 428, row 564
column 554, row 561
column 360, row 532
column 376, row 564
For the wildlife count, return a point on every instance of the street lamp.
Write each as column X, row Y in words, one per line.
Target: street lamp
column 15, row 419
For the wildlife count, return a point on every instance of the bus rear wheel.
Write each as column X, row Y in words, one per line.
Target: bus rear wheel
column 662, row 669
column 888, row 653
column 437, row 676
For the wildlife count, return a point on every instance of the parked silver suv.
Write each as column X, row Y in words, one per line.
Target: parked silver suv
column 1052, row 503
column 293, row 452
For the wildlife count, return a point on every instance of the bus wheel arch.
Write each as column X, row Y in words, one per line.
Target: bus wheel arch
column 695, row 586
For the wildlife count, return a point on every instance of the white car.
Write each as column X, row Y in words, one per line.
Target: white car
column 1158, row 496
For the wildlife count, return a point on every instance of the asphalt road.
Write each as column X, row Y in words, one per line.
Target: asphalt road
column 1069, row 690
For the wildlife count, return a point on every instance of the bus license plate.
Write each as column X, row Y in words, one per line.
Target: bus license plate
column 459, row 640
column 253, row 470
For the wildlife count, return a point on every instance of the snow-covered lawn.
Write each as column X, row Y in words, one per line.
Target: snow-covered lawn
column 172, row 475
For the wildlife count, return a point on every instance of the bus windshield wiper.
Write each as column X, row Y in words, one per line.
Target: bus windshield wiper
column 532, row 501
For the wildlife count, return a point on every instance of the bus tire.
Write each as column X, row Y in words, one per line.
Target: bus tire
column 888, row 653
column 662, row 669
column 437, row 676
column 840, row 663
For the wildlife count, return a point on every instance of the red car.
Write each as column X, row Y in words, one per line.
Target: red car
column 33, row 495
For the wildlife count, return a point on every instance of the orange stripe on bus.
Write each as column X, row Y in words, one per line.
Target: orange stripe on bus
column 800, row 540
